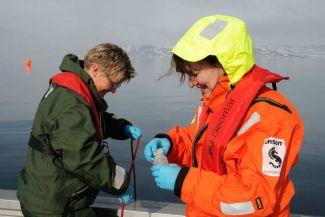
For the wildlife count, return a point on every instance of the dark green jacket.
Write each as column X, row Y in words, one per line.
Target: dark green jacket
column 63, row 120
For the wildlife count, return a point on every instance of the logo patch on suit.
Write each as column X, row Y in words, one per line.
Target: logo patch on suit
column 273, row 152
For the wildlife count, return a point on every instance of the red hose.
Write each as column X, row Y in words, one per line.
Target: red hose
column 122, row 209
column 132, row 169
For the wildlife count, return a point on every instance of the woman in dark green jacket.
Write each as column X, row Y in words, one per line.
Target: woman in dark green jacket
column 66, row 164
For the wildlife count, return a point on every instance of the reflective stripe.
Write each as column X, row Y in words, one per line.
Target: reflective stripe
column 243, row 208
column 201, row 104
column 255, row 117
column 197, row 115
column 119, row 177
column 213, row 29
column 49, row 91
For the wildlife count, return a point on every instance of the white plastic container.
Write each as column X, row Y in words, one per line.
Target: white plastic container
column 160, row 158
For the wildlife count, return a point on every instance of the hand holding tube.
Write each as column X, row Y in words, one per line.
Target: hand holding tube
column 153, row 145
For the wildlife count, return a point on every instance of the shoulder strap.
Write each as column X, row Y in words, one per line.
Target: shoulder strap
column 41, row 147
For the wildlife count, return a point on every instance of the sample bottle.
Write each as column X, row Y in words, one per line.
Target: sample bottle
column 160, row 158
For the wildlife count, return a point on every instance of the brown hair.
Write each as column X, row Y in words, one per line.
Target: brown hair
column 181, row 66
column 112, row 58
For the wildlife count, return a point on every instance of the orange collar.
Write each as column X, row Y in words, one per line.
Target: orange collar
column 218, row 95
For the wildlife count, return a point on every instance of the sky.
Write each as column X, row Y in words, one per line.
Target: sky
column 63, row 23
column 45, row 30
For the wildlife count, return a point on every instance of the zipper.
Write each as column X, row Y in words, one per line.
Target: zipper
column 196, row 139
column 272, row 102
column 75, row 195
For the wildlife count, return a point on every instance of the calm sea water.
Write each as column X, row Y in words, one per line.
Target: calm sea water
column 156, row 106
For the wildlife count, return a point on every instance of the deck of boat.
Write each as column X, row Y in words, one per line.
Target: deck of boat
column 10, row 207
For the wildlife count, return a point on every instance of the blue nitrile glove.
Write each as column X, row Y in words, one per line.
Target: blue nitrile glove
column 165, row 175
column 133, row 132
column 127, row 196
column 153, row 145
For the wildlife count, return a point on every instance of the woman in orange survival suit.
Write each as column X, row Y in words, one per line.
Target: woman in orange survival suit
column 235, row 157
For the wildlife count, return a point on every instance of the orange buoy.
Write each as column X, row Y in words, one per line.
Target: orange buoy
column 28, row 65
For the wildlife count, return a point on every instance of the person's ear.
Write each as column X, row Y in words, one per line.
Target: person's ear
column 94, row 69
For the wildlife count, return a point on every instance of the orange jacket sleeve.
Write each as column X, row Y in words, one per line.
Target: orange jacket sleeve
column 182, row 141
column 181, row 150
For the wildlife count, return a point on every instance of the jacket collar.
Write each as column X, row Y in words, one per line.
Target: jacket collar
column 71, row 63
column 218, row 95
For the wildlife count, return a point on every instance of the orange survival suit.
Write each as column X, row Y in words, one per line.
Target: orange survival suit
column 257, row 159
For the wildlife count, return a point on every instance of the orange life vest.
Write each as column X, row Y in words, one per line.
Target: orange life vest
column 225, row 122
column 73, row 82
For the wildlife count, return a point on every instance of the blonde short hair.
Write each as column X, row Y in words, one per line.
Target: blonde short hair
column 112, row 58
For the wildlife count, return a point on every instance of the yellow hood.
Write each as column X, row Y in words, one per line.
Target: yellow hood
column 223, row 36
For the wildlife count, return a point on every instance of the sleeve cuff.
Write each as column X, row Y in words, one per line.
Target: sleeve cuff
column 124, row 123
column 166, row 136
column 179, row 181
